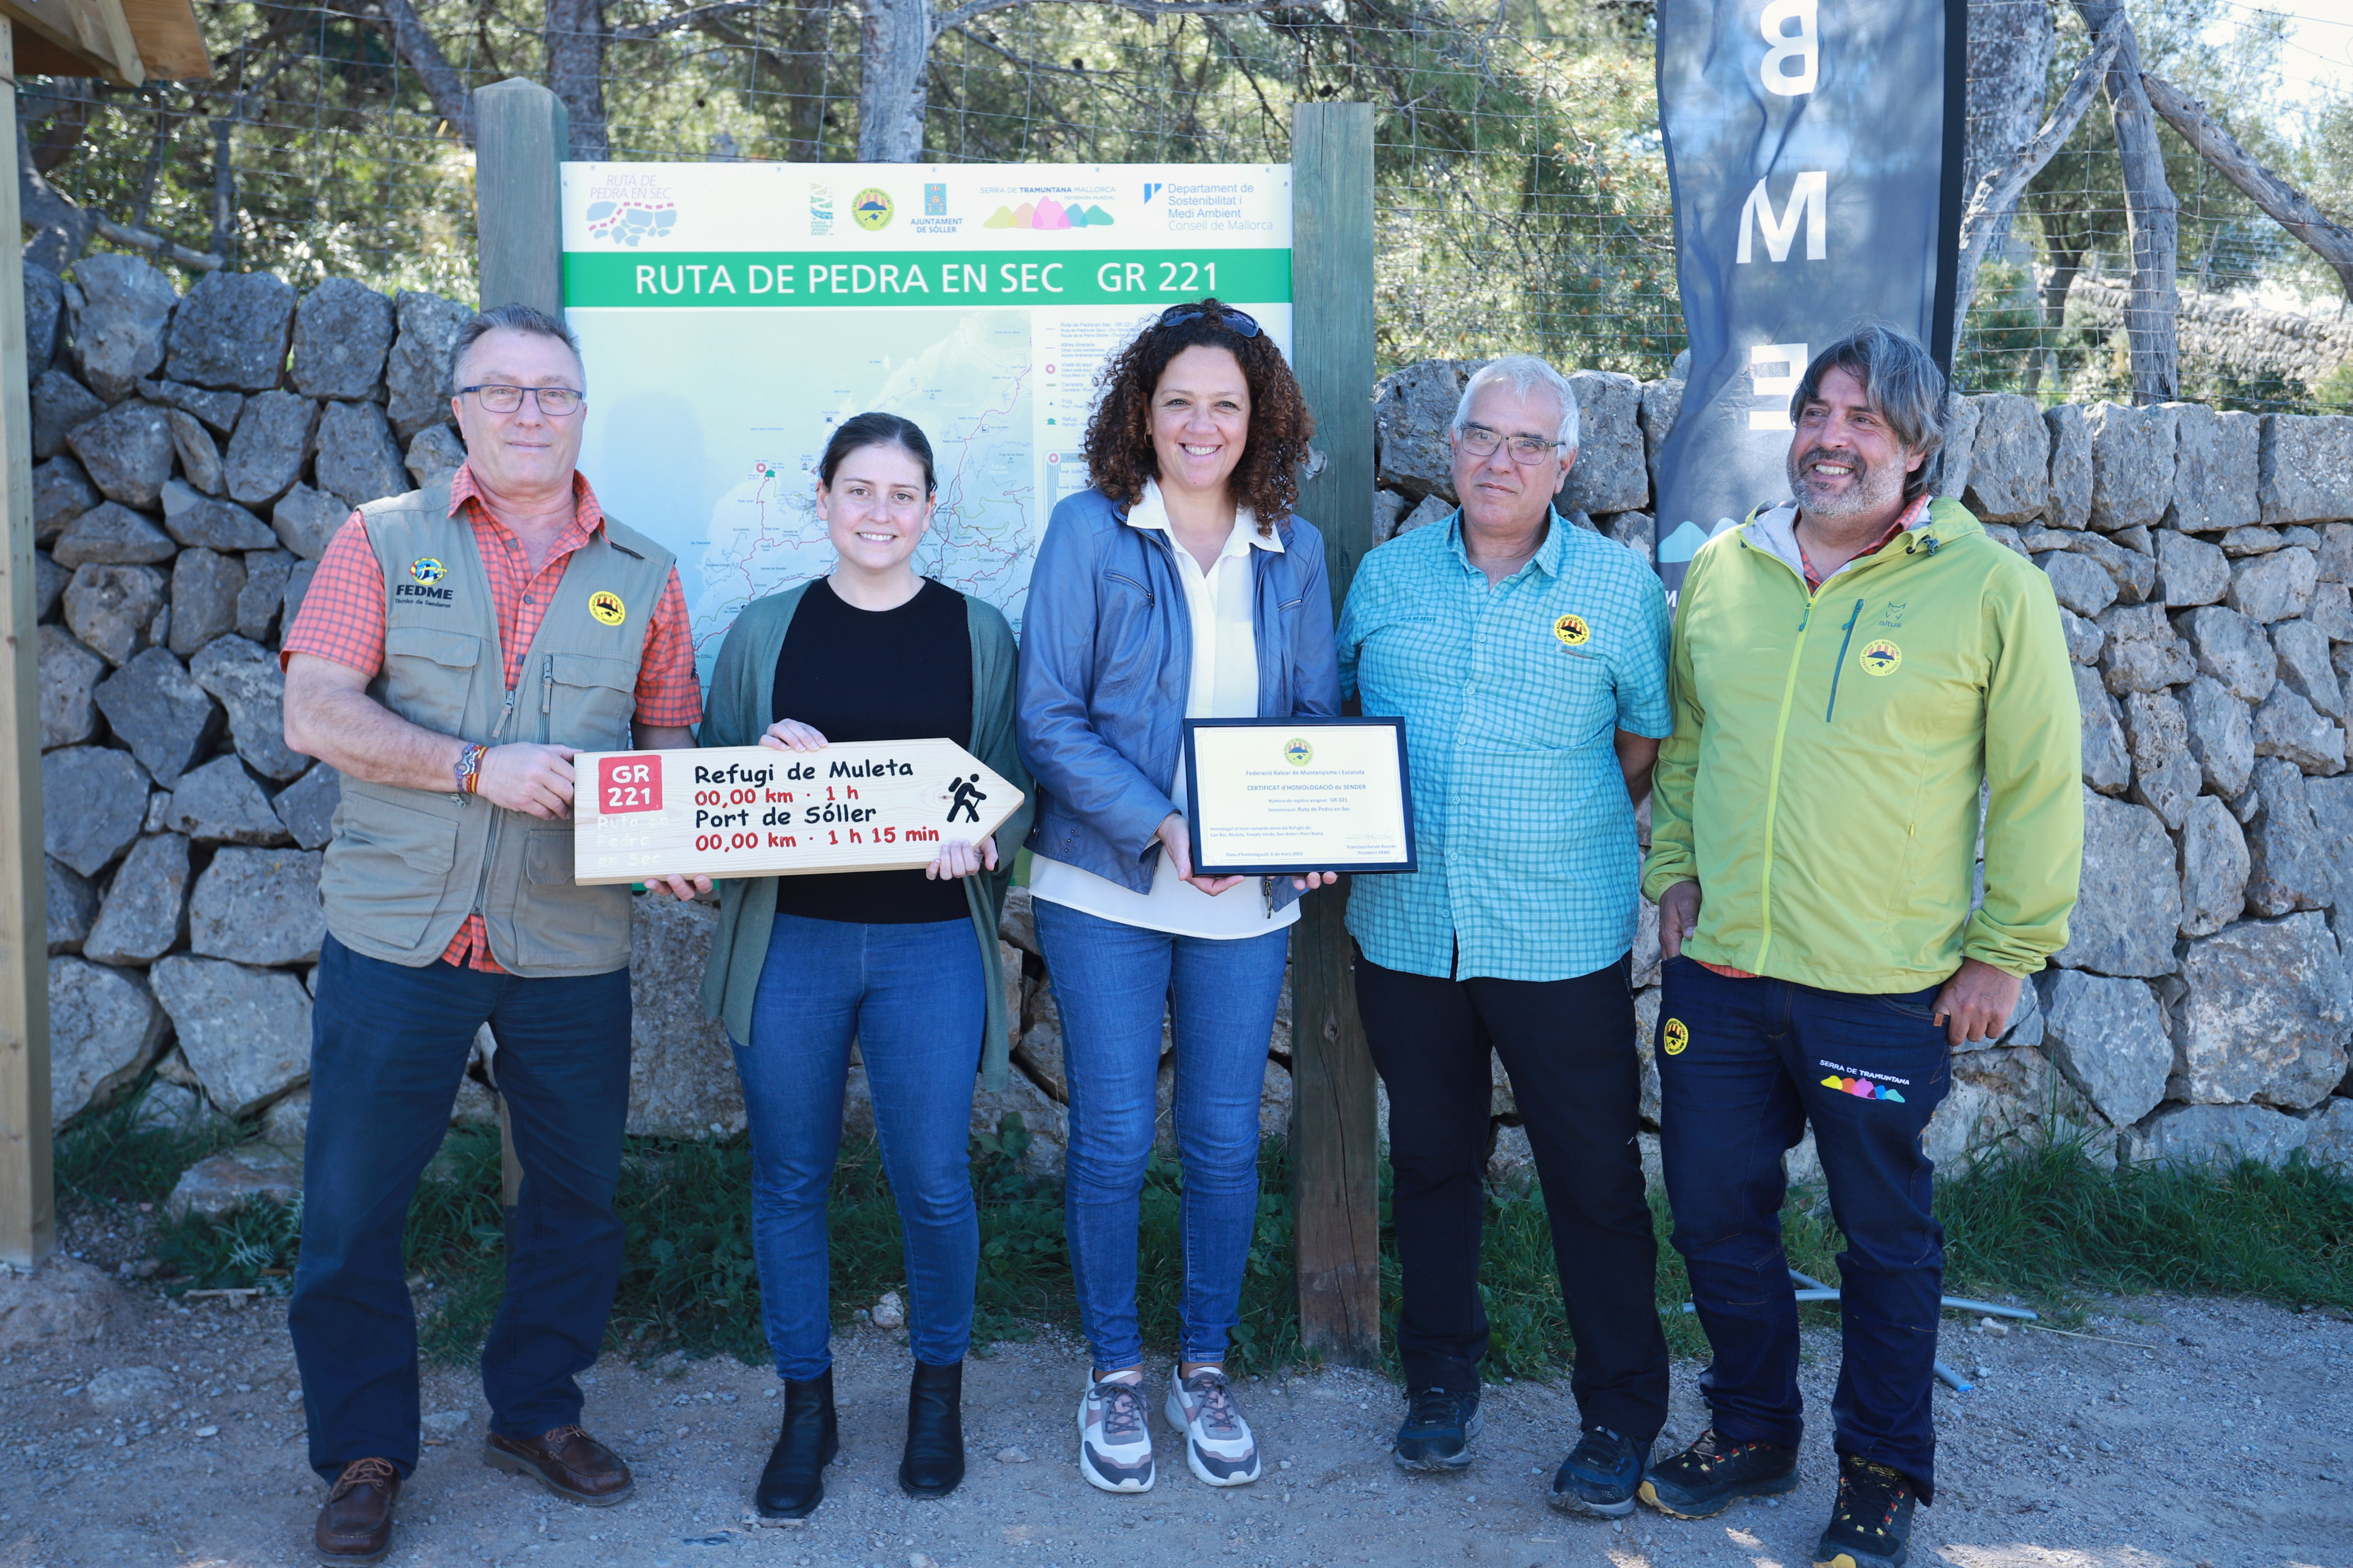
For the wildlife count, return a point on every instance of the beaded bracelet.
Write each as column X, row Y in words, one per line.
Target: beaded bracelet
column 470, row 768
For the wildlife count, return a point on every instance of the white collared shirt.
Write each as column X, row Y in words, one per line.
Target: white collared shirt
column 1222, row 684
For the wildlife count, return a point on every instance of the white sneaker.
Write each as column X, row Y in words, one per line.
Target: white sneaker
column 1217, row 1441
column 1115, row 1436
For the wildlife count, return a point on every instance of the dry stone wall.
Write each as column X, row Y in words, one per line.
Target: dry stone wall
column 195, row 452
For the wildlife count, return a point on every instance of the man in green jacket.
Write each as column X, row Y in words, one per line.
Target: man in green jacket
column 1848, row 670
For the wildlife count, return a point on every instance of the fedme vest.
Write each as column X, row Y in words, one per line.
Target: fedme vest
column 406, row 866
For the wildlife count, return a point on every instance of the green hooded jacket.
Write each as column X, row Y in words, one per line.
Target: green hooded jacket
column 1823, row 780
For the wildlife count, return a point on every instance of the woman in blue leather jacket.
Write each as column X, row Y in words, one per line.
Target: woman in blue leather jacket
column 1180, row 586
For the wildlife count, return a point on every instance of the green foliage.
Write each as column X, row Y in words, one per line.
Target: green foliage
column 128, row 1152
column 252, row 1246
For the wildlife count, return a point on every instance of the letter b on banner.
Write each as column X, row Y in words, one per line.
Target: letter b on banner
column 1795, row 58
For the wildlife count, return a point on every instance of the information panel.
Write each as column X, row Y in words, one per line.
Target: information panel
column 732, row 314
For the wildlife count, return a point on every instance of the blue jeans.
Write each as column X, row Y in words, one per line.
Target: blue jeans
column 1747, row 1079
column 914, row 999
column 1113, row 981
column 388, row 1044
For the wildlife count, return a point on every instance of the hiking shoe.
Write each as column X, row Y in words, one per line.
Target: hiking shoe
column 1439, row 1427
column 1217, row 1441
column 1115, row 1440
column 1707, row 1478
column 1871, row 1525
column 1599, row 1475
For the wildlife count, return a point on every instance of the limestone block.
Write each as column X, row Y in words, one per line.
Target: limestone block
column 2273, row 587
column 2328, row 1133
column 682, row 1081
column 2234, row 493
column 2330, row 801
column 146, row 908
column 358, row 459
column 200, row 457
column 2010, row 465
column 110, row 534
column 69, row 674
column 1019, row 921
column 305, row 519
column 2336, row 552
column 127, row 451
column 2222, row 735
column 2288, row 859
column 216, row 410
column 298, row 582
column 1637, row 531
column 2305, row 468
column 2331, row 611
column 2212, row 1134
column 2164, row 775
column 2026, row 1025
column 2214, row 476
column 2231, row 649
column 104, row 1028
column 1949, row 469
column 2304, row 667
column 2214, row 868
column 2107, row 761
column 118, row 332
column 61, row 405
column 266, row 572
column 71, row 905
column 2079, row 583
column 342, row 331
column 2130, row 901
column 2286, row 726
column 1662, row 402
column 2085, row 639
column 61, row 493
column 218, row 525
column 265, row 456
column 1413, row 409
column 2263, row 1015
column 2251, row 540
column 244, row 677
column 2109, row 1037
column 244, row 1033
column 2003, row 1098
column 2142, row 652
column 259, row 907
column 93, row 803
column 220, row 803
column 2001, row 534
column 259, row 1172
column 2132, row 464
column 44, row 313
column 63, row 1301
column 49, row 582
column 1611, row 474
column 1387, row 505
column 436, row 452
column 1047, row 1123
column 287, row 1123
column 1432, row 509
column 2189, row 570
column 231, row 331
column 166, row 719
column 416, row 376
column 204, row 589
column 110, row 607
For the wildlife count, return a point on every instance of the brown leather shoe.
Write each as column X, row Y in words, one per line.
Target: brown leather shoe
column 567, row 1462
column 356, row 1525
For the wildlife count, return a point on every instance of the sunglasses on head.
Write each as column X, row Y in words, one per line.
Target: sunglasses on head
column 1178, row 315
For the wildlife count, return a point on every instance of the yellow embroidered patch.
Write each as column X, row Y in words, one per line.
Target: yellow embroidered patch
column 1880, row 657
column 1673, row 1037
column 607, row 606
column 1572, row 630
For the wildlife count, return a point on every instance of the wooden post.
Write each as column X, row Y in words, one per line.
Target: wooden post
column 1335, row 1153
column 27, row 1198
column 520, row 134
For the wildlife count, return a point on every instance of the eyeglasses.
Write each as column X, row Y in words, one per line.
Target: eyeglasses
column 1178, row 315
column 1481, row 442
column 555, row 402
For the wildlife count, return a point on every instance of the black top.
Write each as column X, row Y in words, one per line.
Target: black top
column 876, row 674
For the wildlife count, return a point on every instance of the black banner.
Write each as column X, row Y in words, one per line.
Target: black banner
column 1814, row 149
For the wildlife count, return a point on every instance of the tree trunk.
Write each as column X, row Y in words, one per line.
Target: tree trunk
column 895, row 45
column 577, row 33
column 2010, row 73
column 2151, row 215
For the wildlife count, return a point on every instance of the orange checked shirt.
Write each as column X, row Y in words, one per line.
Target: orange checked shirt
column 342, row 620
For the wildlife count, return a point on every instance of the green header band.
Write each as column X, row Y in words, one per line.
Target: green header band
column 737, row 278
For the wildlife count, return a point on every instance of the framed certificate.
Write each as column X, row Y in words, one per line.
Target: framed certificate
column 1285, row 796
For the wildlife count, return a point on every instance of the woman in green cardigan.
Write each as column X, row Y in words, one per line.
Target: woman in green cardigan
column 903, row 962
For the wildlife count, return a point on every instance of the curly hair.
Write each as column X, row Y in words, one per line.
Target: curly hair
column 1120, row 457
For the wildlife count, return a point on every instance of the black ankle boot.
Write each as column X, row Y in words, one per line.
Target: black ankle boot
column 793, row 1482
column 934, row 1465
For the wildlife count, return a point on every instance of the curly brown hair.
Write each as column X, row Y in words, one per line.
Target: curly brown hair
column 1119, row 458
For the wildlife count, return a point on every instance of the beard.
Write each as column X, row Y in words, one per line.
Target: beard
column 1873, row 489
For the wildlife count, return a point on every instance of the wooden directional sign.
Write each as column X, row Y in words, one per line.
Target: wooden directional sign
column 749, row 810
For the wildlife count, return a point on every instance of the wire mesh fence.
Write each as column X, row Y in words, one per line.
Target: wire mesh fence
column 1522, row 197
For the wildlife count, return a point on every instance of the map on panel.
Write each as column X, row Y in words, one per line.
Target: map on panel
column 731, row 315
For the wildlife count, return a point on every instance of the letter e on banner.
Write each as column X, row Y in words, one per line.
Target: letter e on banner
column 1778, row 384
column 1800, row 47
column 631, row 782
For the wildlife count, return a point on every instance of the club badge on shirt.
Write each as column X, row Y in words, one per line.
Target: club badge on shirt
column 607, row 606
column 1882, row 657
column 1572, row 630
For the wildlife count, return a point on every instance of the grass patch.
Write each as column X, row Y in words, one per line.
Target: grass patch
column 125, row 1154
column 2044, row 1221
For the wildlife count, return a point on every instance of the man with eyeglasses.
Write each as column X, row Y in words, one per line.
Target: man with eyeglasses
column 458, row 647
column 1528, row 659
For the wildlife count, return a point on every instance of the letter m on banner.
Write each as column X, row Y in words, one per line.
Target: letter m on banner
column 1808, row 198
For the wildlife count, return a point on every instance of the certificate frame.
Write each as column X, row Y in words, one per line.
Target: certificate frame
column 1394, row 726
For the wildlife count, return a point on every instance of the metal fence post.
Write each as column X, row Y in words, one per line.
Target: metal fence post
column 1334, row 1136
column 28, row 1193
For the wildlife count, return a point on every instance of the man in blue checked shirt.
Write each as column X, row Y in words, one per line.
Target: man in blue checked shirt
column 1528, row 659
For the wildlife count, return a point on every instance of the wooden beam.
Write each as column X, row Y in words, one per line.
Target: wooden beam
column 1334, row 1151
column 92, row 37
column 171, row 45
column 2331, row 242
column 28, row 1200
column 520, row 135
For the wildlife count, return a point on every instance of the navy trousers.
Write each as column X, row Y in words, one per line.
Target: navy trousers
column 1744, row 1067
column 388, row 1044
